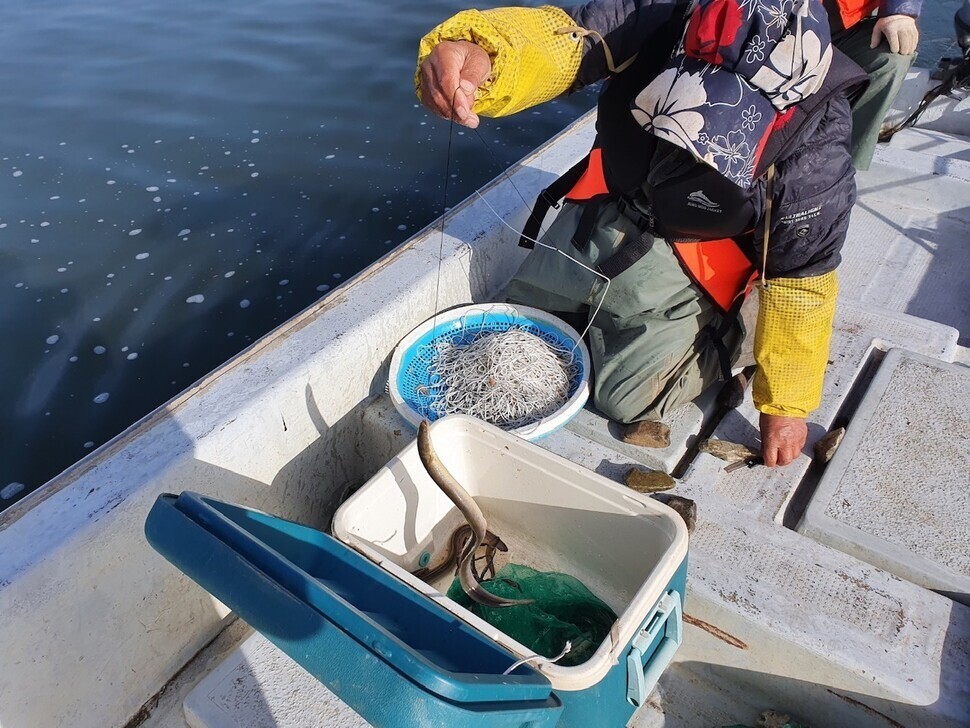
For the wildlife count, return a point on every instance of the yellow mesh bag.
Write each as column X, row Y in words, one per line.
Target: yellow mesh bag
column 531, row 63
column 791, row 343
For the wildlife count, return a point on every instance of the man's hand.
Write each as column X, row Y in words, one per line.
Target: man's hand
column 782, row 439
column 900, row 32
column 450, row 75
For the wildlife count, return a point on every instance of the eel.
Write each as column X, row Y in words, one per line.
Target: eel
column 472, row 513
column 455, row 546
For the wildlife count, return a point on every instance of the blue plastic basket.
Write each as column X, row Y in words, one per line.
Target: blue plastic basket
column 412, row 385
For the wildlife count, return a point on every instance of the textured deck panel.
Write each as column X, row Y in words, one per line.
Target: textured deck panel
column 860, row 331
column 684, row 425
column 908, row 248
column 904, row 506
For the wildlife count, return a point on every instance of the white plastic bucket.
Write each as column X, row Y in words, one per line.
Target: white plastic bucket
column 554, row 515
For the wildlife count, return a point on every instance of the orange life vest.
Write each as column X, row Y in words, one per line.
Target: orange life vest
column 719, row 268
column 852, row 11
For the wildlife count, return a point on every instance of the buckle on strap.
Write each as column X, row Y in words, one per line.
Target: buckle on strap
column 644, row 222
column 547, row 197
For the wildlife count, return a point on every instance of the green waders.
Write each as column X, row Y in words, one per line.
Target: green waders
column 887, row 71
column 651, row 343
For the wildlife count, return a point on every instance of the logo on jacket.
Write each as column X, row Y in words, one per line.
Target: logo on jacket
column 702, row 202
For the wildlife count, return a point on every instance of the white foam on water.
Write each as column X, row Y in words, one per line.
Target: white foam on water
column 101, row 398
column 183, row 231
column 323, row 287
column 254, row 174
column 254, row 140
column 72, row 359
column 53, row 339
column 10, row 490
column 153, row 188
column 99, row 350
column 245, row 303
column 89, row 444
column 134, row 232
column 18, row 173
column 229, row 274
column 44, row 224
column 197, row 298
column 132, row 356
column 285, row 282
column 330, row 156
column 61, row 270
column 141, row 256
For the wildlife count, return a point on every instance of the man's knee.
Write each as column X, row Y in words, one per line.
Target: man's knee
column 626, row 396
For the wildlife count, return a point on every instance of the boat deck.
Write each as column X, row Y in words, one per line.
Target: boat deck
column 775, row 619
column 111, row 634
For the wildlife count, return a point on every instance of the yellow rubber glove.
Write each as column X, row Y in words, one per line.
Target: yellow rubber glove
column 900, row 32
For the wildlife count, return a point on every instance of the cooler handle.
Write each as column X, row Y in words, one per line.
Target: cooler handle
column 639, row 681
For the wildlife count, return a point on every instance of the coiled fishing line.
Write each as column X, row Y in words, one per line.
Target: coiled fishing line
column 510, row 378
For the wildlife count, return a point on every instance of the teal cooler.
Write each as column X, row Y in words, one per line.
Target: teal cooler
column 397, row 650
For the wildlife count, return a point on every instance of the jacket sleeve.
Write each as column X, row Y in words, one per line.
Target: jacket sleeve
column 900, row 7
column 540, row 53
column 813, row 197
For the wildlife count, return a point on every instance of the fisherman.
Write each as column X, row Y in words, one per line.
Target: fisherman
column 884, row 45
column 715, row 124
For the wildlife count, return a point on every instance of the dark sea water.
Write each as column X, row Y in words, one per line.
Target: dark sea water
column 178, row 178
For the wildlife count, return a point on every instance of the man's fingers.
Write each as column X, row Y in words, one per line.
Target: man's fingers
column 876, row 36
column 769, row 455
column 893, row 37
column 450, row 76
column 908, row 42
column 900, row 31
column 782, row 439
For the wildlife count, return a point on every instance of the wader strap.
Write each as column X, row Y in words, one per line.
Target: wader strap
column 549, row 198
column 587, row 223
column 724, row 359
column 626, row 256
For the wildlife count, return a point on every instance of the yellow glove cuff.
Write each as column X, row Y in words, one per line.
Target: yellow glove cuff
column 791, row 344
column 531, row 63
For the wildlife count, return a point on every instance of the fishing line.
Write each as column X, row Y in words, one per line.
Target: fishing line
column 542, row 232
column 444, row 204
column 513, row 377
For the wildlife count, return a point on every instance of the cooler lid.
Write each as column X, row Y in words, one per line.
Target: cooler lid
column 422, row 641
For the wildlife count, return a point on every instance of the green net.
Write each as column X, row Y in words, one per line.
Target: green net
column 564, row 610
